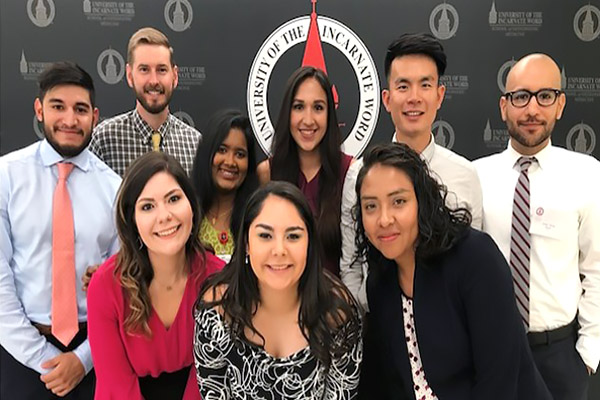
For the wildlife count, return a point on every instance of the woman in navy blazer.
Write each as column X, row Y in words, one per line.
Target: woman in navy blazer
column 443, row 322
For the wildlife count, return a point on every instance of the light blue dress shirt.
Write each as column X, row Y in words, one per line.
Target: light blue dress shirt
column 27, row 181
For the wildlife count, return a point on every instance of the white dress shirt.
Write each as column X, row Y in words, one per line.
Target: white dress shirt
column 27, row 181
column 454, row 171
column 565, row 236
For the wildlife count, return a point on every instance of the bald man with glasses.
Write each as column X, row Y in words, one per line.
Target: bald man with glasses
column 543, row 211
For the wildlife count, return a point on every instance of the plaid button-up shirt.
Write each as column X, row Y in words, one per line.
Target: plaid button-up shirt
column 119, row 140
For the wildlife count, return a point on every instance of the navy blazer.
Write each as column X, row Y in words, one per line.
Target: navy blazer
column 470, row 334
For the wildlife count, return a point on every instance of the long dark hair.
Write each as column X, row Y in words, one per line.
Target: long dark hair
column 285, row 164
column 134, row 269
column 219, row 126
column 439, row 226
column 325, row 303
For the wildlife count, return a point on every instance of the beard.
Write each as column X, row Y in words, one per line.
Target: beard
column 66, row 150
column 529, row 141
column 157, row 107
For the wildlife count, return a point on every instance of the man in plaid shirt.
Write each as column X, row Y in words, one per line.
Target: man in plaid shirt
column 152, row 75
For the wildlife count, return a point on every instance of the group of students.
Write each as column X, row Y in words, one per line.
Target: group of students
column 226, row 283
column 273, row 310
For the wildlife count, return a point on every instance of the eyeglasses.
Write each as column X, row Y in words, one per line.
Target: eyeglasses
column 544, row 97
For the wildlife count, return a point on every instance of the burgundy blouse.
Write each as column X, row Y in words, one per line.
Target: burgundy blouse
column 311, row 192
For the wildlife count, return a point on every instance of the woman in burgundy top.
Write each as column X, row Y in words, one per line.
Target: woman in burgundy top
column 140, row 301
column 306, row 152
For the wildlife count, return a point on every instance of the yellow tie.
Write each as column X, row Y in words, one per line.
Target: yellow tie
column 156, row 141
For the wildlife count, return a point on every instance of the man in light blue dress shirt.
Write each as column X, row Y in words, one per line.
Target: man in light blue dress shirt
column 35, row 365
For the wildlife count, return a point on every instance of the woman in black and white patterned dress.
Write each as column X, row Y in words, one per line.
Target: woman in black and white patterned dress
column 273, row 324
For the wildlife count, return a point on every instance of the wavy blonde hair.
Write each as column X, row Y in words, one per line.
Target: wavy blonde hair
column 148, row 35
column 134, row 269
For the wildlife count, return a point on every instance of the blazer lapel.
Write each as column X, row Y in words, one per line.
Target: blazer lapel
column 392, row 313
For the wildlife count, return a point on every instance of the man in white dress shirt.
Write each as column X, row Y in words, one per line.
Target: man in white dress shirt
column 413, row 66
column 563, row 318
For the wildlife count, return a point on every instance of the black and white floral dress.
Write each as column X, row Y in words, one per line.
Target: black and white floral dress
column 230, row 368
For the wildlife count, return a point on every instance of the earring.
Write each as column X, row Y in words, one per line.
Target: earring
column 247, row 259
column 140, row 243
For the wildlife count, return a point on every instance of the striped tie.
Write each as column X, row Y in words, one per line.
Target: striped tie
column 520, row 240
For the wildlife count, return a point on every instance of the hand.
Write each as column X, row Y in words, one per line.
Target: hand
column 67, row 372
column 87, row 277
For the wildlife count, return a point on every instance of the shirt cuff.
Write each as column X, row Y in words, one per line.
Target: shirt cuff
column 50, row 351
column 589, row 350
column 84, row 354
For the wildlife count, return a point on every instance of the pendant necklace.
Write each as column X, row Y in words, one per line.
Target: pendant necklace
column 223, row 236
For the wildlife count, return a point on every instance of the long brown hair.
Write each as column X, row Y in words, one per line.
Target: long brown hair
column 285, row 164
column 327, row 309
column 134, row 270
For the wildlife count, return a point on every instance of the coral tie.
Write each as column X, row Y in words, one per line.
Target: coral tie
column 64, row 298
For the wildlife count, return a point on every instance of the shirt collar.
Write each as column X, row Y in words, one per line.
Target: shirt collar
column 542, row 156
column 146, row 130
column 427, row 153
column 49, row 157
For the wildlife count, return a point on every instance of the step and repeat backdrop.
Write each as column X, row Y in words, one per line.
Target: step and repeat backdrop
column 238, row 53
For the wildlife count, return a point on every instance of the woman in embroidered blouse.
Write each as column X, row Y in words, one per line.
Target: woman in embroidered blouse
column 306, row 152
column 273, row 324
column 140, row 322
column 224, row 176
column 443, row 321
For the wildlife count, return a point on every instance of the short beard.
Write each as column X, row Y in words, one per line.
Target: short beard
column 152, row 109
column 514, row 133
column 68, row 150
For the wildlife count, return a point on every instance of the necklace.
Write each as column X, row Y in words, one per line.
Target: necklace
column 218, row 215
column 169, row 286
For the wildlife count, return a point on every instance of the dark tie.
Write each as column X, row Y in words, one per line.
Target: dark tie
column 520, row 239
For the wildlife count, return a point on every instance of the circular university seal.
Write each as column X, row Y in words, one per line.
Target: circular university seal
column 502, row 73
column 40, row 15
column 343, row 39
column 113, row 70
column 442, row 30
